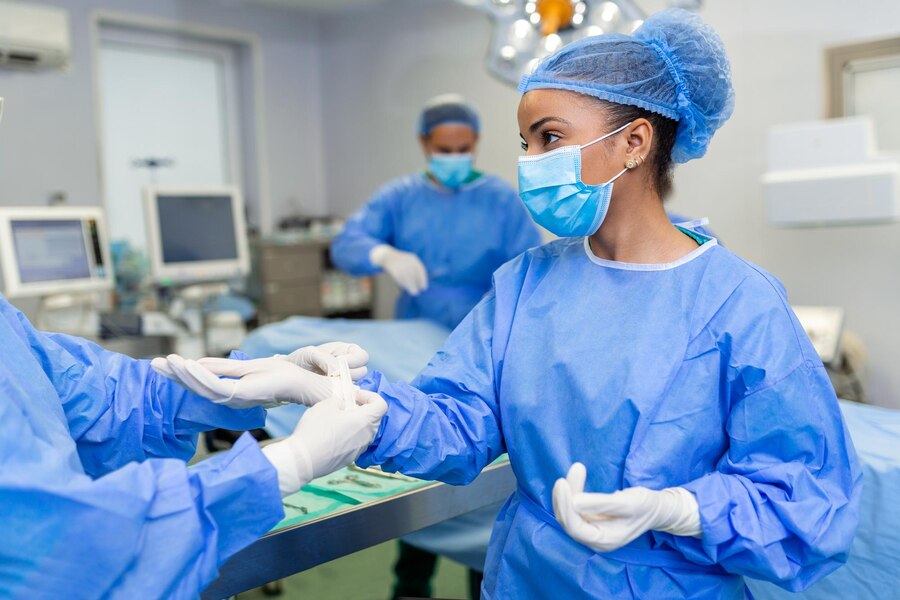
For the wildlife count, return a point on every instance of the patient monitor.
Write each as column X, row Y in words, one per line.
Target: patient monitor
column 823, row 325
column 196, row 235
column 54, row 250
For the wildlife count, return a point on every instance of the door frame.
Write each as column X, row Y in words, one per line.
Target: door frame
column 242, row 160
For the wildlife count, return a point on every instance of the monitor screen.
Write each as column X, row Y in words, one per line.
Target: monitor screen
column 50, row 250
column 196, row 228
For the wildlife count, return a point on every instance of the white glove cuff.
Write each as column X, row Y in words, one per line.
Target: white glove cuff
column 684, row 516
column 378, row 254
column 293, row 464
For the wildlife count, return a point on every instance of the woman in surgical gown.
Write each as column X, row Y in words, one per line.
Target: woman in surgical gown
column 645, row 351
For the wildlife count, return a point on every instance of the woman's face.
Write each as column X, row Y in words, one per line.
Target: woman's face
column 551, row 119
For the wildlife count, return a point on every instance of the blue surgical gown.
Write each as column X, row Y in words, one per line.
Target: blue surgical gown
column 97, row 501
column 461, row 236
column 692, row 374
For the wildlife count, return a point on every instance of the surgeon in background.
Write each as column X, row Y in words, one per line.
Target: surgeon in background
column 441, row 233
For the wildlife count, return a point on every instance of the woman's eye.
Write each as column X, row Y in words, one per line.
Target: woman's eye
column 550, row 138
column 524, row 145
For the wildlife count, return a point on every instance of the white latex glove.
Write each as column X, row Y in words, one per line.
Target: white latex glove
column 606, row 522
column 318, row 358
column 404, row 267
column 265, row 382
column 326, row 439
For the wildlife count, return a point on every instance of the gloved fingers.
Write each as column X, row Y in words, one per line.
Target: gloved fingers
column 562, row 500
column 205, row 383
column 357, row 357
column 358, row 373
column 420, row 275
column 407, row 283
column 161, row 366
column 625, row 503
column 315, row 359
column 371, row 403
column 576, row 477
column 178, row 366
column 229, row 367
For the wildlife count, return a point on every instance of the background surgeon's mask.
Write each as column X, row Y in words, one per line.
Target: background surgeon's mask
column 450, row 169
column 550, row 185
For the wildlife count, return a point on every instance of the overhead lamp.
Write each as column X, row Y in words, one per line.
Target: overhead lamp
column 527, row 30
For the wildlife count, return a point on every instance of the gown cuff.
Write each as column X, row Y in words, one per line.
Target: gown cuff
column 239, row 490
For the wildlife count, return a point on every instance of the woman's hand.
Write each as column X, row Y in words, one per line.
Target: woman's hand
column 606, row 522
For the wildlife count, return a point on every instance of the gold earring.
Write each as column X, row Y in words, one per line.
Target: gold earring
column 640, row 161
column 630, row 164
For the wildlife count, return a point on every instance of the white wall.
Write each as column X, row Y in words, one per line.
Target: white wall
column 380, row 65
column 48, row 138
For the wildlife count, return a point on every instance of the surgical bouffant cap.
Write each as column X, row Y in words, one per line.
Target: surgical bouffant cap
column 674, row 65
column 447, row 109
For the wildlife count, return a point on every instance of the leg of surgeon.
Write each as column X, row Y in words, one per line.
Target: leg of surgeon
column 414, row 570
column 327, row 438
column 475, row 579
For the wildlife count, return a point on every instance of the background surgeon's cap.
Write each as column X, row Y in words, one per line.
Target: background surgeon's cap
column 674, row 65
column 446, row 109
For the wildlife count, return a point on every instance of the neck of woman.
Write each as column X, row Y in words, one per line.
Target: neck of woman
column 637, row 230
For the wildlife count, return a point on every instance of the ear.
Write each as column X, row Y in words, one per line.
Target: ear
column 426, row 146
column 639, row 137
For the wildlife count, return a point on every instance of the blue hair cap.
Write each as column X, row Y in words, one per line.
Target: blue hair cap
column 674, row 65
column 447, row 109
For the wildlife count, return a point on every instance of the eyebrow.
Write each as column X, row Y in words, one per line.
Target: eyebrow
column 538, row 124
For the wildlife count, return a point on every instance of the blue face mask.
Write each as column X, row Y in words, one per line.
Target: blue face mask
column 550, row 186
column 450, row 169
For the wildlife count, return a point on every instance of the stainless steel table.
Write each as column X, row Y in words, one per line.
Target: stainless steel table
column 293, row 549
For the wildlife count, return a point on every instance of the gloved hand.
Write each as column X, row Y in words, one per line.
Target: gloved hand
column 318, row 359
column 265, row 382
column 326, row 439
column 404, row 267
column 606, row 522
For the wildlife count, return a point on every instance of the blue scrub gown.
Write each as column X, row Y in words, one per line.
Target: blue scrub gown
column 97, row 499
column 461, row 236
column 692, row 374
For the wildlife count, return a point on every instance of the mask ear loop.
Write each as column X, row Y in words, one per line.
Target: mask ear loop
column 610, row 134
column 622, row 172
column 600, row 139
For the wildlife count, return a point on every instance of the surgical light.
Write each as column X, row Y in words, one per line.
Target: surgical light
column 526, row 31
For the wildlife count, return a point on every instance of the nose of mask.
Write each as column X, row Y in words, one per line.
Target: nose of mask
column 550, row 185
column 451, row 170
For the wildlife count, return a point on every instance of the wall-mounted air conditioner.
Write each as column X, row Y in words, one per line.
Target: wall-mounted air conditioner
column 33, row 36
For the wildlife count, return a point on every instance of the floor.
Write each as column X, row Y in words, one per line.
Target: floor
column 365, row 575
